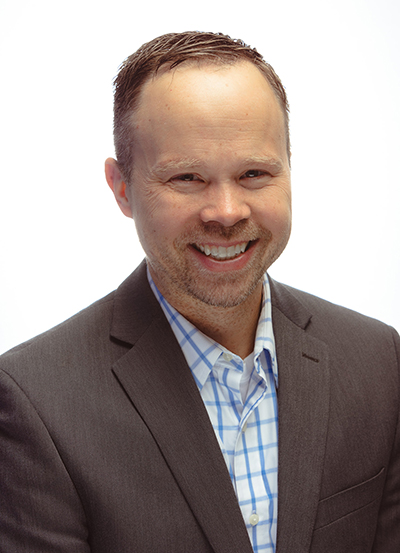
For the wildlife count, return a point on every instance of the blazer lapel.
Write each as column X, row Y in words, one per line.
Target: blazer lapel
column 303, row 400
column 159, row 383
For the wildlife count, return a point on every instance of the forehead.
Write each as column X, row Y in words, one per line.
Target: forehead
column 210, row 110
column 200, row 82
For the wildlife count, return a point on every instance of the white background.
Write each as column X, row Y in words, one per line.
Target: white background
column 64, row 242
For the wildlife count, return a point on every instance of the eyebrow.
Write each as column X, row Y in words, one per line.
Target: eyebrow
column 176, row 165
column 273, row 162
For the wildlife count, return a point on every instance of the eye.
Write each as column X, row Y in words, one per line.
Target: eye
column 255, row 179
column 186, row 177
column 253, row 173
column 187, row 183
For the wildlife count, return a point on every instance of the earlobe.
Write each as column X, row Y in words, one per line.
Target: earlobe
column 118, row 185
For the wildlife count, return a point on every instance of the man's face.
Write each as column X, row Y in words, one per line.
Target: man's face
column 210, row 187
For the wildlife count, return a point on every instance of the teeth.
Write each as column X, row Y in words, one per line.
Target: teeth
column 220, row 252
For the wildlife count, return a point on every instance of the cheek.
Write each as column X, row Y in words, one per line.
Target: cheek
column 284, row 213
column 276, row 216
column 170, row 213
column 161, row 225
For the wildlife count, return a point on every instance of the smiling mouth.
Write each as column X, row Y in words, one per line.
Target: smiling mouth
column 222, row 253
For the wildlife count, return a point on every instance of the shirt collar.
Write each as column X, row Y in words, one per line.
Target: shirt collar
column 200, row 351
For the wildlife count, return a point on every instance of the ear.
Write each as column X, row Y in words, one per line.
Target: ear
column 118, row 185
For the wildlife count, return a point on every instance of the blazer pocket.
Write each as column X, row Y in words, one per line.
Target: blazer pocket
column 350, row 500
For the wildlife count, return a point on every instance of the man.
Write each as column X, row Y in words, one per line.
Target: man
column 149, row 422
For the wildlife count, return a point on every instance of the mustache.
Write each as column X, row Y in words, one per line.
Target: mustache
column 243, row 230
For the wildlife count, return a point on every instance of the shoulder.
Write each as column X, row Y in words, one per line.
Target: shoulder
column 64, row 353
column 334, row 324
column 93, row 319
column 87, row 339
column 91, row 326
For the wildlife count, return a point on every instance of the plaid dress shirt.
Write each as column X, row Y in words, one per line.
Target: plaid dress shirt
column 241, row 401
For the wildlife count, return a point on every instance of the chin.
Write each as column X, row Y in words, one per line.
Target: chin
column 222, row 292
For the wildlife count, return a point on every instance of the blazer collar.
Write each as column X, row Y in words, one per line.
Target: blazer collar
column 135, row 307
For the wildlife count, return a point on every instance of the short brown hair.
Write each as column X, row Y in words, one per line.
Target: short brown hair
column 173, row 49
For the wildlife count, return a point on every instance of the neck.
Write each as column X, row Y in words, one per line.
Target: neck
column 233, row 327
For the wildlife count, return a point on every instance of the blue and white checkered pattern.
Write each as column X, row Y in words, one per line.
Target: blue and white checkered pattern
column 240, row 398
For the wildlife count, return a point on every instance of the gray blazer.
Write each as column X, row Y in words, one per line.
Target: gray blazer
column 105, row 444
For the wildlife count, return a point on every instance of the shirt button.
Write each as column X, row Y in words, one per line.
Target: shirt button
column 244, row 427
column 254, row 519
column 227, row 356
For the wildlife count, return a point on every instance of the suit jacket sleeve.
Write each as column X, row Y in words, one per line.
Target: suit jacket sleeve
column 40, row 511
column 388, row 530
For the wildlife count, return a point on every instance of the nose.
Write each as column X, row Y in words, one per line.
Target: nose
column 225, row 203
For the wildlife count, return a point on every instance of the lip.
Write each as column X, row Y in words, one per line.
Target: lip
column 224, row 265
